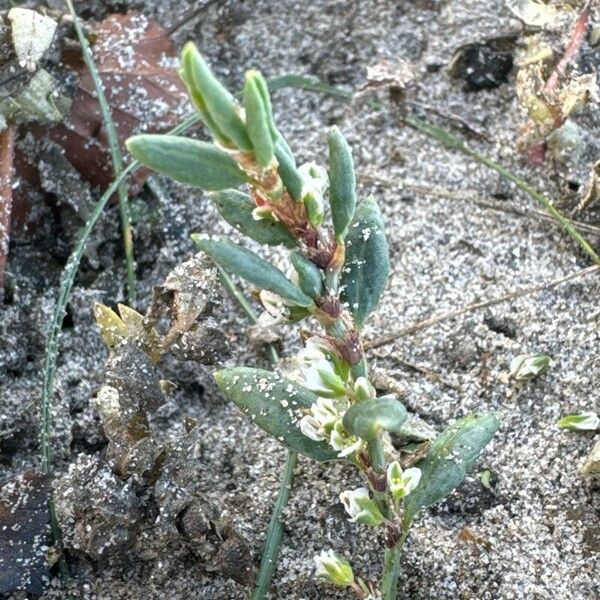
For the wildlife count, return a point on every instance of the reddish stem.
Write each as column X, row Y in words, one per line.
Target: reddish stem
column 572, row 50
column 7, row 141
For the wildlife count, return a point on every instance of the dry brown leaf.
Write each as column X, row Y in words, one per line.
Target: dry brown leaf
column 6, row 165
column 592, row 190
column 137, row 64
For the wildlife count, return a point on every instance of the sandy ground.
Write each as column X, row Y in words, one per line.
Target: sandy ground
column 537, row 527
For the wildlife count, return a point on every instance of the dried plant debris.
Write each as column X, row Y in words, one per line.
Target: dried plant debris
column 97, row 510
column 188, row 292
column 136, row 62
column 144, row 495
column 592, row 189
column 23, row 534
column 177, row 320
column 32, row 89
column 534, row 13
column 32, row 34
column 50, row 93
column 558, row 90
column 591, row 466
column 132, row 390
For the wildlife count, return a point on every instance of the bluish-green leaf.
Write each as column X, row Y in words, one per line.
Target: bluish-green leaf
column 451, row 456
column 236, row 208
column 287, row 169
column 218, row 102
column 263, row 88
column 369, row 418
column 367, row 265
column 186, row 160
column 258, row 119
column 309, row 276
column 342, row 183
column 256, row 270
column 274, row 403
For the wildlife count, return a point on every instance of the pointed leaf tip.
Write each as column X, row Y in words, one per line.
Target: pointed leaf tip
column 275, row 404
column 451, row 456
column 213, row 100
column 186, row 160
column 244, row 263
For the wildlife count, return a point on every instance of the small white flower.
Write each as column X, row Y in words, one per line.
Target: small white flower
column 316, row 348
column 402, row 483
column 585, row 421
column 334, row 568
column 311, row 428
column 342, row 441
column 360, row 507
column 319, row 424
column 528, row 366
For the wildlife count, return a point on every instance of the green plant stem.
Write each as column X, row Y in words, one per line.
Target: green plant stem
column 115, row 153
column 274, row 536
column 391, row 569
column 377, row 454
column 453, row 143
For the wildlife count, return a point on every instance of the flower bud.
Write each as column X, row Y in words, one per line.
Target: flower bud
column 361, row 508
column 262, row 212
column 334, row 568
column 585, row 421
column 314, row 184
column 322, row 379
column 363, row 389
column 402, row 483
column 315, row 208
column 314, row 179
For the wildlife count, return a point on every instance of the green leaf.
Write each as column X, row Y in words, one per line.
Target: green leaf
column 369, row 418
column 274, row 403
column 451, row 456
column 213, row 98
column 263, row 88
column 342, row 183
column 196, row 163
column 310, row 280
column 287, row 170
column 256, row 270
column 258, row 120
column 236, row 208
column 367, row 263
